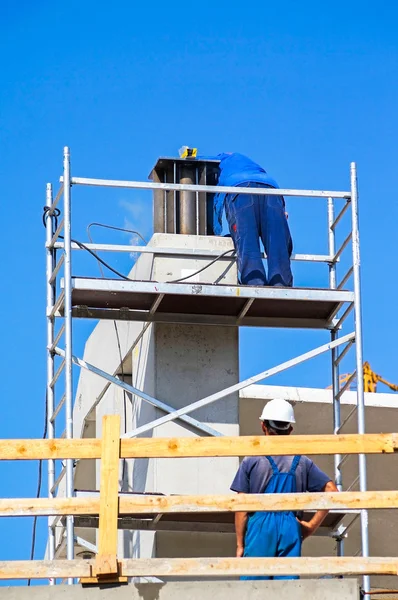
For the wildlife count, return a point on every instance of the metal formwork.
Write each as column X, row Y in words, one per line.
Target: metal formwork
column 185, row 212
column 205, row 304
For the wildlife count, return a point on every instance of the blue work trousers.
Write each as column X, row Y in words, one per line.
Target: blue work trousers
column 273, row 534
column 251, row 217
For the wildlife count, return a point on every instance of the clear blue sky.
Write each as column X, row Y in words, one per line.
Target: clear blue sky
column 303, row 88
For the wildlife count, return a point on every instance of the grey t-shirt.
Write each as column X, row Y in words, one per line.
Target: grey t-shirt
column 255, row 472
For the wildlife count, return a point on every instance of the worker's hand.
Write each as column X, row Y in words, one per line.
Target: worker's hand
column 306, row 529
column 239, row 551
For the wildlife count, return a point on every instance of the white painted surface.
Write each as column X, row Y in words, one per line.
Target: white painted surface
column 324, row 396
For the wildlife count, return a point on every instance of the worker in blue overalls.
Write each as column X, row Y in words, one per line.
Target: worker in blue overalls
column 280, row 533
column 252, row 217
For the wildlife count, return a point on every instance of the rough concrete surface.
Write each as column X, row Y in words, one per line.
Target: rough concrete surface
column 322, row 589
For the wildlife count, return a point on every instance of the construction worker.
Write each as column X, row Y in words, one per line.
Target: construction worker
column 277, row 533
column 251, row 217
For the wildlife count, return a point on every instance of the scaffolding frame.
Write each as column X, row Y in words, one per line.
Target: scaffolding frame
column 60, row 305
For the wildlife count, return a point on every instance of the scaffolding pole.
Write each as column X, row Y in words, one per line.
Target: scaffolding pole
column 50, row 294
column 359, row 360
column 68, row 347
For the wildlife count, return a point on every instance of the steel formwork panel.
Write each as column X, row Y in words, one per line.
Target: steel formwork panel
column 206, row 303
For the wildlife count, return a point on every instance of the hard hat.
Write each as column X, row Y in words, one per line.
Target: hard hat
column 278, row 410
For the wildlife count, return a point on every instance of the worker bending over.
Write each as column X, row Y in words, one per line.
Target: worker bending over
column 251, row 217
column 277, row 533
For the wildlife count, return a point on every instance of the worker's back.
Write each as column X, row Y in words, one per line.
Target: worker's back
column 255, row 473
column 237, row 168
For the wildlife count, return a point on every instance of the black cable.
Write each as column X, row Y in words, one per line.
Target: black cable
column 55, row 216
column 116, row 229
column 84, row 247
column 38, row 491
column 203, row 268
column 145, row 242
column 115, row 271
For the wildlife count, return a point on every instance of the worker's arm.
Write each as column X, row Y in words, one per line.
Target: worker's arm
column 240, row 529
column 309, row 527
column 241, row 485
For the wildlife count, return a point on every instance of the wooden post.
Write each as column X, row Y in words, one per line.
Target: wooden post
column 106, row 564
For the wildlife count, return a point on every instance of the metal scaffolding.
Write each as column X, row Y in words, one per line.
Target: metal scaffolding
column 152, row 302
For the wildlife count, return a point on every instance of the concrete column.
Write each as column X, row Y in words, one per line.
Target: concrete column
column 177, row 364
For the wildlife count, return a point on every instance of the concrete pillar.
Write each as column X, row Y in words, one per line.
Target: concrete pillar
column 178, row 364
column 187, row 363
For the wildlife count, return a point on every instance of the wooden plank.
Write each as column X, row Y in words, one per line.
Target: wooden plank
column 225, row 567
column 106, row 561
column 43, row 569
column 140, row 504
column 259, row 445
column 186, row 567
column 253, row 502
column 90, row 448
column 42, row 507
column 45, row 449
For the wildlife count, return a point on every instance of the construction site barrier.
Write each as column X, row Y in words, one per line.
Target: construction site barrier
column 111, row 448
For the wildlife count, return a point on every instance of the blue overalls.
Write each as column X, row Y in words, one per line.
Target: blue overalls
column 275, row 533
column 251, row 217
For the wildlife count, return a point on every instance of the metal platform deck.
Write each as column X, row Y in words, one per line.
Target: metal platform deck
column 206, row 304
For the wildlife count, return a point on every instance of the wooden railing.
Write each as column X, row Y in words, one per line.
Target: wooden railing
column 110, row 449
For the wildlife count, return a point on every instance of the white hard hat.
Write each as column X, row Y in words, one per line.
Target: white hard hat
column 278, row 410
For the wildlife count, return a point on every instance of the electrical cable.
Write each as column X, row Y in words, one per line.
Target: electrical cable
column 115, row 271
column 116, row 229
column 55, row 215
column 99, row 259
column 38, row 491
column 203, row 268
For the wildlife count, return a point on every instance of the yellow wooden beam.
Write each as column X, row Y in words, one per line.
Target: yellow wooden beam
column 42, row 507
column 197, row 567
column 106, row 561
column 259, row 445
column 257, row 502
column 225, row 567
column 90, row 448
column 140, row 504
column 45, row 449
column 43, row 569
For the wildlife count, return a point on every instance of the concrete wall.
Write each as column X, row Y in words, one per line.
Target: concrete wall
column 325, row 589
column 316, row 417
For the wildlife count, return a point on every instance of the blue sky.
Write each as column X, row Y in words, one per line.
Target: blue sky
column 303, row 88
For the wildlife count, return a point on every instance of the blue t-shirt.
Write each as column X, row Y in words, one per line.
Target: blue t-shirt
column 235, row 169
column 255, row 472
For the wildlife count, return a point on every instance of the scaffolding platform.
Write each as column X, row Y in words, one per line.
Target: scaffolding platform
column 200, row 523
column 205, row 522
column 207, row 304
column 183, row 200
